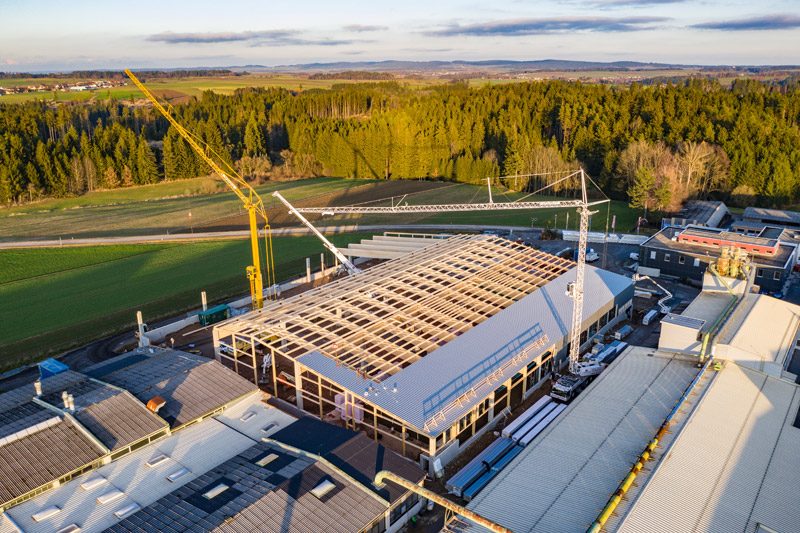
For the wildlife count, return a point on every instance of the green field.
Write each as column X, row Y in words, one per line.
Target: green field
column 152, row 209
column 466, row 193
column 72, row 296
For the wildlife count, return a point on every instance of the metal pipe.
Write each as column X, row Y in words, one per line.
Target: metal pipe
column 444, row 502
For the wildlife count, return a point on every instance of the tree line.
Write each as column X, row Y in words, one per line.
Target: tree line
column 652, row 146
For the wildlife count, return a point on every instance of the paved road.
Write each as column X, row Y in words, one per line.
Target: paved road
column 279, row 232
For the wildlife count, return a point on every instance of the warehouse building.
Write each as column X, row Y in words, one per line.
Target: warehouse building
column 427, row 350
column 238, row 463
column 708, row 213
column 774, row 217
column 686, row 253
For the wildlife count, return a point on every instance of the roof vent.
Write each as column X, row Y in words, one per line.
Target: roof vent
column 323, row 488
column 37, row 386
column 46, row 513
column 156, row 403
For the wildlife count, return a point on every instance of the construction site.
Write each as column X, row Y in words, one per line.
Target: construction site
column 447, row 381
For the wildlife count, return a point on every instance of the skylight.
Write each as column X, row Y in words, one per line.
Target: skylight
column 216, row 491
column 323, row 488
column 266, row 459
column 127, row 510
column 173, row 477
column 155, row 461
column 93, row 483
column 110, row 496
column 46, row 513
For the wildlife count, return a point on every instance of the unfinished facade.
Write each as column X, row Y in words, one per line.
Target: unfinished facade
column 426, row 350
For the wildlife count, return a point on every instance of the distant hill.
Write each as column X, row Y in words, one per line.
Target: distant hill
column 456, row 66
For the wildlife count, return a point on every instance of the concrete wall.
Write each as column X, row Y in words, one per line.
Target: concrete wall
column 676, row 338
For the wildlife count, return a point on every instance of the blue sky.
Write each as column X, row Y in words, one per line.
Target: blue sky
column 46, row 35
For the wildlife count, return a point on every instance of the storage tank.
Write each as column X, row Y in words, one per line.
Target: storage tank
column 724, row 261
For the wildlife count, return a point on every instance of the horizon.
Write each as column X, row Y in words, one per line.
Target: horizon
column 96, row 36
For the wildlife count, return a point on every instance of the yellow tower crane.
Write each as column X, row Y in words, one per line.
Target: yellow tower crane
column 252, row 201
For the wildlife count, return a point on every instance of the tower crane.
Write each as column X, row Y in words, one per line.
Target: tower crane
column 346, row 264
column 252, row 201
column 574, row 289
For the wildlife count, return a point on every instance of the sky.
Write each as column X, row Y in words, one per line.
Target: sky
column 47, row 35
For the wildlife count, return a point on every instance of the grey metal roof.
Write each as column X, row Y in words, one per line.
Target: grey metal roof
column 197, row 448
column 772, row 215
column 352, row 452
column 732, row 466
column 7, row 525
column 191, row 385
column 114, row 416
column 45, row 453
column 24, row 394
column 562, row 480
column 480, row 359
column 275, row 497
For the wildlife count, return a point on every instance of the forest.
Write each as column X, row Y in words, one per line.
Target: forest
column 650, row 145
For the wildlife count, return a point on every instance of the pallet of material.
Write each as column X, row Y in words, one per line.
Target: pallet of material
column 484, row 480
column 478, row 466
column 509, row 430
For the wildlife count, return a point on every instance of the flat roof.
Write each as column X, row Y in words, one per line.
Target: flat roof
column 562, row 480
column 663, row 240
column 438, row 389
column 733, row 466
column 192, row 385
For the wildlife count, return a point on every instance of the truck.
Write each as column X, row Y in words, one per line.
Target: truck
column 591, row 255
column 650, row 317
column 568, row 386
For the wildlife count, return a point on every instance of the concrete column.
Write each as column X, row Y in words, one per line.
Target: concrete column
column 144, row 340
column 298, row 385
column 308, row 270
column 322, row 262
column 204, row 300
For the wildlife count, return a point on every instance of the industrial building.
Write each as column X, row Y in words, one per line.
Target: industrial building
column 686, row 254
column 219, row 458
column 708, row 213
column 570, row 470
column 428, row 349
column 773, row 217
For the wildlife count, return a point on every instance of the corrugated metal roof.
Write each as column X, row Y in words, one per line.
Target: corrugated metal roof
column 114, row 416
column 436, row 381
column 733, row 465
column 261, row 499
column 24, row 394
column 198, row 448
column 761, row 329
column 7, row 525
column 191, row 385
column 568, row 473
column 239, row 417
column 775, row 215
column 38, row 458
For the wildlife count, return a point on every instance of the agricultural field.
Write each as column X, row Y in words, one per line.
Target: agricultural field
column 150, row 209
column 179, row 90
column 55, row 299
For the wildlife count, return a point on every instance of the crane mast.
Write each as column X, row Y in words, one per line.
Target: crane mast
column 252, row 201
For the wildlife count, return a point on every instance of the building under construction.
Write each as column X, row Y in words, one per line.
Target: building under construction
column 429, row 349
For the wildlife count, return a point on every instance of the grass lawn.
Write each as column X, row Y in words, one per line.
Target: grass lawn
column 626, row 217
column 73, row 296
column 152, row 209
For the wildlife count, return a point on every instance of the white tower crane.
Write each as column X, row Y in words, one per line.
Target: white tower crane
column 575, row 289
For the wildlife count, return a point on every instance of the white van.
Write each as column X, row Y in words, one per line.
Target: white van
column 649, row 317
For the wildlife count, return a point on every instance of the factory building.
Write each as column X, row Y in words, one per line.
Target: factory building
column 686, row 254
column 82, row 454
column 425, row 351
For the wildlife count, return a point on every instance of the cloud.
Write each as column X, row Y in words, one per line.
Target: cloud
column 550, row 25
column 631, row 3
column 253, row 38
column 771, row 22
column 10, row 61
column 362, row 28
